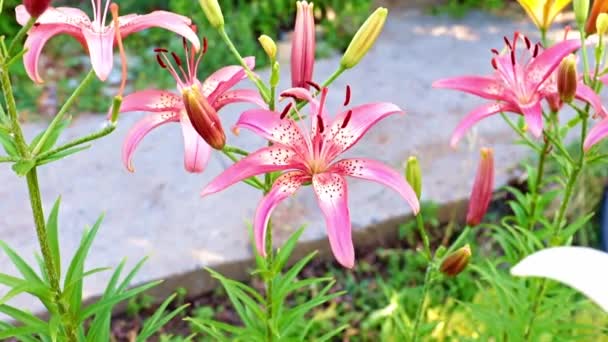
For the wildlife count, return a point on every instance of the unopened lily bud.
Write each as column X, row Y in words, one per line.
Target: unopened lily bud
column 275, row 74
column 36, row 7
column 269, row 46
column 567, row 79
column 204, row 118
column 581, row 11
column 601, row 24
column 599, row 6
column 456, row 262
column 213, row 12
column 481, row 195
column 364, row 39
column 413, row 175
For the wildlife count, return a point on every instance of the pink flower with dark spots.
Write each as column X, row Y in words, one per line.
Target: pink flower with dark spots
column 167, row 107
column 308, row 156
column 518, row 84
column 97, row 37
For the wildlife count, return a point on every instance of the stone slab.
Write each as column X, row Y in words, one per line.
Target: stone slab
column 157, row 211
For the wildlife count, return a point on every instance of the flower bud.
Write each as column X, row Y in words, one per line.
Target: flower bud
column 567, row 78
column 482, row 188
column 456, row 262
column 581, row 11
column 413, row 174
column 204, row 118
column 269, row 46
column 36, row 7
column 364, row 38
column 601, row 24
column 599, row 6
column 275, row 75
column 213, row 12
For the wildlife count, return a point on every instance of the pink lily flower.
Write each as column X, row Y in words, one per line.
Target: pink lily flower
column 307, row 156
column 97, row 37
column 599, row 131
column 483, row 187
column 303, row 46
column 166, row 107
column 518, row 84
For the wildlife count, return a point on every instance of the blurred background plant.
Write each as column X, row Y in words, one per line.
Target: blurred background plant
column 245, row 21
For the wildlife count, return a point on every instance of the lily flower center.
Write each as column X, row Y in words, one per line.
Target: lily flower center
column 99, row 16
column 185, row 77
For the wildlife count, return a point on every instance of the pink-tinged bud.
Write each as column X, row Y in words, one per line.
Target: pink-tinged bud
column 36, row 7
column 204, row 118
column 303, row 46
column 456, row 262
column 567, row 79
column 482, row 188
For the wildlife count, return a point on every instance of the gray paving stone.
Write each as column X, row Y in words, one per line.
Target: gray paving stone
column 157, row 211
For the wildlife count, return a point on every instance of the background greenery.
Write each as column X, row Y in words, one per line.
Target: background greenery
column 245, row 21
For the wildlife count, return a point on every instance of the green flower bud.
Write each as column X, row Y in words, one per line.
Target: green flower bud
column 601, row 24
column 413, row 175
column 275, row 75
column 581, row 11
column 364, row 39
column 213, row 12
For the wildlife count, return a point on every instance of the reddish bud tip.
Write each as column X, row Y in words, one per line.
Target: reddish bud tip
column 567, row 79
column 481, row 195
column 204, row 118
column 286, row 110
column 347, row 98
column 456, row 262
column 36, row 7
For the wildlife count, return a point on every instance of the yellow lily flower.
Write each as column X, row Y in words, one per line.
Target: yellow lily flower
column 543, row 12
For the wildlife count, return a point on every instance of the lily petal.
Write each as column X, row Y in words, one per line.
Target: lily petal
column 362, row 119
column 270, row 126
column 55, row 15
column 268, row 159
column 101, row 51
column 482, row 86
column 304, row 95
column 151, row 100
column 579, row 267
column 584, row 93
column 478, row 114
column 285, row 186
column 533, row 114
column 596, row 134
column 37, row 38
column 139, row 131
column 332, row 197
column 543, row 65
column 163, row 19
column 225, row 78
column 239, row 95
column 376, row 171
column 196, row 150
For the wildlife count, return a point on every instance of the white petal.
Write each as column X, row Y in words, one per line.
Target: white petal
column 579, row 267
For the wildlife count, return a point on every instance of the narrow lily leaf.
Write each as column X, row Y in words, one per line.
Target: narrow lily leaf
column 159, row 319
column 24, row 317
column 330, row 335
column 55, row 134
column 20, row 332
column 27, row 272
column 53, row 236
column 54, row 324
column 10, row 281
column 284, row 252
column 123, row 285
column 75, row 281
column 36, row 289
column 108, row 302
column 579, row 267
column 8, row 144
column 60, row 155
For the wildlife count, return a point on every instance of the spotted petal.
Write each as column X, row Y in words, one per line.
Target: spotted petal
column 55, row 15
column 151, row 100
column 332, row 197
column 224, row 79
column 196, row 150
column 582, row 268
column 375, row 171
column 268, row 159
column 163, row 19
column 596, row 134
column 482, row 86
column 239, row 95
column 270, row 126
column 478, row 114
column 140, row 130
column 542, row 66
column 285, row 186
column 362, row 119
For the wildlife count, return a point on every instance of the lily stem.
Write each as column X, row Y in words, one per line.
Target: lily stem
column 427, row 276
column 540, row 170
column 20, row 35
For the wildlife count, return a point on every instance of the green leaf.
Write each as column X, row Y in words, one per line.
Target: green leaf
column 109, row 302
column 22, row 167
column 20, row 332
column 331, row 334
column 284, row 252
column 24, row 317
column 123, row 285
column 54, row 134
column 25, row 270
column 53, row 236
column 6, row 140
column 62, row 154
column 159, row 319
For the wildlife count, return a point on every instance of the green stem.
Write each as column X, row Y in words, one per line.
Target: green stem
column 11, row 107
column 540, row 170
column 424, row 236
column 535, row 305
column 66, row 106
column 543, row 37
column 19, row 36
column 421, row 306
column 585, row 58
column 520, row 133
column 269, row 284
